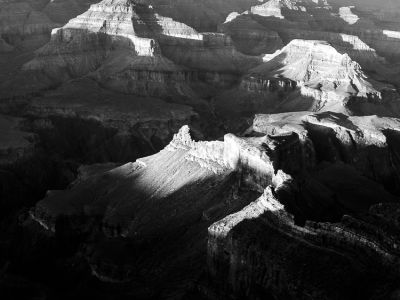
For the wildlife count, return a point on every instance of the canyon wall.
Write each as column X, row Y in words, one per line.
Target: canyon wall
column 261, row 251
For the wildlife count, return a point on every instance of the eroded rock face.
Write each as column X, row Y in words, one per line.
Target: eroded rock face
column 302, row 178
column 366, row 143
column 138, row 203
column 312, row 75
column 206, row 16
column 148, row 49
column 318, row 64
column 261, row 251
column 118, row 78
column 347, row 15
column 129, row 47
column 311, row 17
column 276, row 8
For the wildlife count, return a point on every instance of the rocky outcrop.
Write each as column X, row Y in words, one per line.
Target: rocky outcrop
column 358, row 50
column 206, row 16
column 110, row 39
column 351, row 140
column 281, row 178
column 129, row 47
column 280, row 8
column 317, row 73
column 346, row 14
column 176, row 204
column 196, row 179
column 301, row 205
column 84, row 42
column 344, row 75
column 334, row 17
column 261, row 251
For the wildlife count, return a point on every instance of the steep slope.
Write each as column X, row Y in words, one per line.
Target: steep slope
column 374, row 27
column 311, row 75
column 280, row 8
column 136, row 206
column 316, row 64
column 303, row 205
column 203, row 15
column 268, row 249
column 129, row 47
column 291, row 162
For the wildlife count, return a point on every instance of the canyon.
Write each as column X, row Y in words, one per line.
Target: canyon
column 281, row 178
column 157, row 149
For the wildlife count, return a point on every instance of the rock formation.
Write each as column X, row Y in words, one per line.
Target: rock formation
column 291, row 163
column 147, row 49
column 347, row 15
column 317, row 65
column 331, row 16
column 127, row 46
column 311, row 75
column 155, row 207
column 199, row 149
column 262, row 251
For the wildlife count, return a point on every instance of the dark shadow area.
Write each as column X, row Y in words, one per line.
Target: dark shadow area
column 162, row 255
column 279, row 260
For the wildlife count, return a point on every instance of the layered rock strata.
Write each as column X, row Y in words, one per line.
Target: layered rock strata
column 285, row 159
column 127, row 46
column 312, row 75
column 261, row 251
column 335, row 16
column 136, row 203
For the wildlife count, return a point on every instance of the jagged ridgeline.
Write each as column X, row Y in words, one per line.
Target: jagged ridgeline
column 295, row 195
column 199, row 149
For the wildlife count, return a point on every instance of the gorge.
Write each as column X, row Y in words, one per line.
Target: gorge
column 157, row 149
